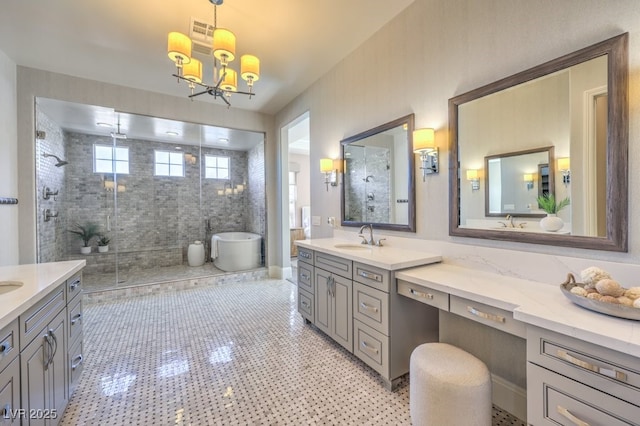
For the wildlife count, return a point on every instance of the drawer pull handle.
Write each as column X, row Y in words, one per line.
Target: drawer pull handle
column 76, row 318
column 567, row 414
column 74, row 285
column 484, row 315
column 76, row 362
column 5, row 347
column 371, row 276
column 421, row 294
column 368, row 307
column 369, row 348
column 304, row 276
column 305, row 255
column 305, row 304
column 609, row 372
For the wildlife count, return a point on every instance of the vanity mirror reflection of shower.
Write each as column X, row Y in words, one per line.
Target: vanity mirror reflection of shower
column 151, row 186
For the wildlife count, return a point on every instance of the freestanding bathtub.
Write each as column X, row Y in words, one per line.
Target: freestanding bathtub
column 236, row 251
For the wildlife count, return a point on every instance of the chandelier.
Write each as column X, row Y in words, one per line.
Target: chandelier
column 225, row 78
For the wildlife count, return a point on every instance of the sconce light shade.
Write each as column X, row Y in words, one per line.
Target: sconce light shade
column 472, row 174
column 326, row 165
column 179, row 48
column 424, row 140
column 424, row 143
column 564, row 163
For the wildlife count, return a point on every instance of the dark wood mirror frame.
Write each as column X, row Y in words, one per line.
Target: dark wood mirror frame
column 411, row 225
column 617, row 150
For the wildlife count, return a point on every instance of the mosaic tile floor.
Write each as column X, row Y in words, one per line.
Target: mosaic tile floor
column 224, row 355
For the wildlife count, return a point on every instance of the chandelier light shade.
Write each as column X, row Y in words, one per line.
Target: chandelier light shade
column 229, row 80
column 193, row 71
column 224, row 45
column 249, row 69
column 225, row 79
column 179, row 48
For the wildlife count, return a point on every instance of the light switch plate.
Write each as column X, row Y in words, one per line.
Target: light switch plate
column 316, row 220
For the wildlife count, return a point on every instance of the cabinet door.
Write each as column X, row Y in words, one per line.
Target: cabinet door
column 34, row 377
column 10, row 394
column 323, row 300
column 342, row 309
column 57, row 369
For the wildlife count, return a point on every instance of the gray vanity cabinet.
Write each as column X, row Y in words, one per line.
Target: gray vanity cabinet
column 74, row 314
column 572, row 382
column 306, row 285
column 9, row 375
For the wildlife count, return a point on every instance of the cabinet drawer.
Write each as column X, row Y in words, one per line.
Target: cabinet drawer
column 305, row 277
column 305, row 305
column 566, row 402
column 372, row 347
column 612, row 372
column 10, row 393
column 74, row 286
column 8, row 344
column 75, row 320
column 436, row 298
column 76, row 362
column 371, row 276
column 305, row 255
column 334, row 264
column 487, row 315
column 371, row 307
column 39, row 315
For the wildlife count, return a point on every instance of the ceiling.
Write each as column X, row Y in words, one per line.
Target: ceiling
column 124, row 42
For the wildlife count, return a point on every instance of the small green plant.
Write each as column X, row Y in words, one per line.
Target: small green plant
column 85, row 232
column 547, row 202
column 103, row 240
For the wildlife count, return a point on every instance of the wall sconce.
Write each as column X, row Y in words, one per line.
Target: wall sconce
column 472, row 176
column 330, row 172
column 528, row 180
column 190, row 158
column 565, row 168
column 424, row 143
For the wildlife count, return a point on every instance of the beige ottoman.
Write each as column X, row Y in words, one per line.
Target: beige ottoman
column 448, row 386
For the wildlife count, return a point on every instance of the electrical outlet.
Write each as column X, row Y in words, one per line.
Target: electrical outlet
column 331, row 221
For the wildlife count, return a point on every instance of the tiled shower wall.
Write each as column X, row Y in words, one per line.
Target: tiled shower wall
column 52, row 234
column 153, row 215
column 368, row 185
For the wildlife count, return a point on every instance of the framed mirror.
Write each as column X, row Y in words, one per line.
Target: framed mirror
column 515, row 180
column 378, row 185
column 576, row 108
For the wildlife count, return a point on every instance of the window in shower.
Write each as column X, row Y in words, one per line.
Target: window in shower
column 109, row 159
column 168, row 163
column 216, row 167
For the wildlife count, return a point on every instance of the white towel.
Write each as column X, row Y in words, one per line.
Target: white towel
column 214, row 247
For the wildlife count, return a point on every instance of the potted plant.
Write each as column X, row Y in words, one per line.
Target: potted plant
column 86, row 233
column 548, row 203
column 103, row 243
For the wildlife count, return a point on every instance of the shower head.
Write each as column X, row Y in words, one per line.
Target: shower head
column 60, row 162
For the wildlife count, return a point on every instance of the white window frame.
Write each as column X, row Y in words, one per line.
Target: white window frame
column 172, row 164
column 117, row 166
column 215, row 169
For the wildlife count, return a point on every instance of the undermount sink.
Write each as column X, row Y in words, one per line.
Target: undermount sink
column 7, row 286
column 347, row 246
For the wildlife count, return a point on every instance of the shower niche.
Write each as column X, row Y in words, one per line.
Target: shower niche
column 150, row 186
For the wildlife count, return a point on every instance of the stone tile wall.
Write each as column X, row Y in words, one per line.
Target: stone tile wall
column 368, row 186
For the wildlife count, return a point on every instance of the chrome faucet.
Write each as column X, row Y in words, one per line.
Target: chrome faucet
column 371, row 242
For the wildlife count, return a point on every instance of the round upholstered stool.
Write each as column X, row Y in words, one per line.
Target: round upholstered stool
column 448, row 386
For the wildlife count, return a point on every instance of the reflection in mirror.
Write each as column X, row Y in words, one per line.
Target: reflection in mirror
column 514, row 181
column 576, row 107
column 378, row 177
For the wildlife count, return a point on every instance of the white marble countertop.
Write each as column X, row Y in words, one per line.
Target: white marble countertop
column 390, row 258
column 38, row 280
column 534, row 303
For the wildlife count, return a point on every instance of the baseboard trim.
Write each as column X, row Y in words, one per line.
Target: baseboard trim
column 279, row 272
column 509, row 397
